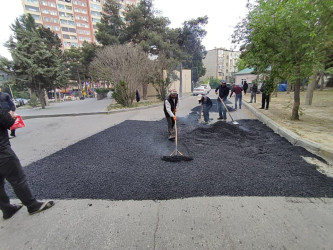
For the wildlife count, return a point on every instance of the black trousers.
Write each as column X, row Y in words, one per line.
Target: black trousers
column 265, row 99
column 171, row 125
column 12, row 171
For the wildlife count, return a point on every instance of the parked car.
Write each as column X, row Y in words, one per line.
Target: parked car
column 17, row 103
column 202, row 90
column 22, row 101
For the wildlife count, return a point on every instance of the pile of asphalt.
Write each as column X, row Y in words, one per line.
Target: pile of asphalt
column 124, row 162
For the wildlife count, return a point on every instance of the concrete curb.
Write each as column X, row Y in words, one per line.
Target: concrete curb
column 293, row 138
column 91, row 113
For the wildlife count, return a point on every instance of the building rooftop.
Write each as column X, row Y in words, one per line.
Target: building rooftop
column 245, row 71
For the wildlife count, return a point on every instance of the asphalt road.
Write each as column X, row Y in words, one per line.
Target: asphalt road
column 246, row 187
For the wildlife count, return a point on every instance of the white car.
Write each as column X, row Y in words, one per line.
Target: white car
column 202, row 90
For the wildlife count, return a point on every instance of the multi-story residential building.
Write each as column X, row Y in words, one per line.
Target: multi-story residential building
column 221, row 64
column 74, row 21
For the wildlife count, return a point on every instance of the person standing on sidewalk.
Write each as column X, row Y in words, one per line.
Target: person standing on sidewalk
column 7, row 105
column 254, row 90
column 207, row 104
column 171, row 105
column 265, row 96
column 238, row 95
column 222, row 91
column 245, row 86
column 12, row 171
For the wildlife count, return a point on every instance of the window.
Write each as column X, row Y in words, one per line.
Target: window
column 61, row 6
column 43, row 3
column 95, row 6
column 71, row 23
column 65, row 36
column 62, row 14
column 32, row 8
column 69, row 7
column 51, row 4
column 95, row 13
column 81, row 38
column 64, row 29
column 47, row 19
column 95, row 20
column 45, row 11
column 62, row 21
column 36, row 17
column 32, row 1
column 72, row 30
column 57, row 28
column 55, row 20
column 73, row 38
column 53, row 12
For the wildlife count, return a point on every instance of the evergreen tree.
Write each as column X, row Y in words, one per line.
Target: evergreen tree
column 111, row 28
column 37, row 59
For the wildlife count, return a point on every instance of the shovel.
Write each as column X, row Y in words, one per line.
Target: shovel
column 225, row 106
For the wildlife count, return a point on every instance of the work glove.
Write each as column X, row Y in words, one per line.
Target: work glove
column 175, row 118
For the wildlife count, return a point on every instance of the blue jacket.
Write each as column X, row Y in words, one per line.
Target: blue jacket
column 6, row 103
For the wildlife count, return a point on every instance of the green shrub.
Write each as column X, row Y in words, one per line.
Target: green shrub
column 102, row 91
column 33, row 100
column 122, row 95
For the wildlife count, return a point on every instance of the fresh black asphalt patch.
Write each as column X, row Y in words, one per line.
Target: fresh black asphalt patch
column 124, row 163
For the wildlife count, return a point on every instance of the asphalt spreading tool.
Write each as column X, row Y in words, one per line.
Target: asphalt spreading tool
column 176, row 155
column 233, row 121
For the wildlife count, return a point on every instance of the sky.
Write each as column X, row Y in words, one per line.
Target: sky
column 223, row 15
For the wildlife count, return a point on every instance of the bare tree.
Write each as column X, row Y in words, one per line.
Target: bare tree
column 162, row 74
column 125, row 66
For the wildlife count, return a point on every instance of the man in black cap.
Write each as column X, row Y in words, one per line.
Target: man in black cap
column 223, row 92
column 171, row 105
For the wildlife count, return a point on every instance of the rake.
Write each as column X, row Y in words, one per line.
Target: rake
column 176, row 155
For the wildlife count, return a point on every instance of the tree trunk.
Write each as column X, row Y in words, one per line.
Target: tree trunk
column 288, row 87
column 144, row 91
column 322, row 81
column 41, row 95
column 297, row 88
column 311, row 88
column 46, row 98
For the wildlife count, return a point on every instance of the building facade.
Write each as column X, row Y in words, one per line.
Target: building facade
column 74, row 21
column 221, row 64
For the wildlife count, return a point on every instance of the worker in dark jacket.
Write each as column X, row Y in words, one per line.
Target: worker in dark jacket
column 206, row 103
column 7, row 105
column 265, row 96
column 222, row 91
column 254, row 90
column 171, row 105
column 245, row 86
column 12, row 171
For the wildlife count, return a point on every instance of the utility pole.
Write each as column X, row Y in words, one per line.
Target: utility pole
column 181, row 81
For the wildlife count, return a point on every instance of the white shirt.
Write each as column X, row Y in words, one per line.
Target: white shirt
column 168, row 106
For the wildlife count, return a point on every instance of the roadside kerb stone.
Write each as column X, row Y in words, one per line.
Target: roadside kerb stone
column 293, row 138
column 91, row 113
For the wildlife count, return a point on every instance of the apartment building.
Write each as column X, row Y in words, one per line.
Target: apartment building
column 221, row 64
column 74, row 21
